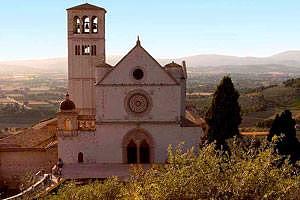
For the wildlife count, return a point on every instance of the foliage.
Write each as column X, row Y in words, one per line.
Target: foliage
column 266, row 123
column 109, row 189
column 27, row 180
column 280, row 96
column 285, row 125
column 224, row 116
column 252, row 102
column 294, row 82
column 249, row 173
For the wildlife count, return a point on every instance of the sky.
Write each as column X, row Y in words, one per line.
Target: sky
column 35, row 29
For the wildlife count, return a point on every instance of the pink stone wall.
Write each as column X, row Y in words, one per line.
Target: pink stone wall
column 105, row 146
column 14, row 165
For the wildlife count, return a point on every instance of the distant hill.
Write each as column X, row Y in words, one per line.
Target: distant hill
column 286, row 62
column 290, row 58
column 272, row 69
column 18, row 69
column 34, row 66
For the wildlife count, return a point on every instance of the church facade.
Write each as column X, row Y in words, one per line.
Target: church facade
column 112, row 116
column 123, row 114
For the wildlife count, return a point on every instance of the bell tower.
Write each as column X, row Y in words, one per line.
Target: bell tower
column 86, row 50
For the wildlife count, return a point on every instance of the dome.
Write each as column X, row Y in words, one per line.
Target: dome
column 67, row 104
column 173, row 64
column 176, row 70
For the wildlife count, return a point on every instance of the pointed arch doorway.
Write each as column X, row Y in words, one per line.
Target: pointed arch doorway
column 144, row 152
column 132, row 152
column 138, row 147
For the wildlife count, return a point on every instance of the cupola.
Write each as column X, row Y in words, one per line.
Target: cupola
column 67, row 104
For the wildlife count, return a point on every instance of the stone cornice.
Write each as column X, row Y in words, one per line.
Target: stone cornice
column 20, row 149
column 136, row 122
column 70, row 78
column 136, row 84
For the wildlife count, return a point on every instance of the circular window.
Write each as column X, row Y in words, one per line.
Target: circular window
column 138, row 74
column 138, row 103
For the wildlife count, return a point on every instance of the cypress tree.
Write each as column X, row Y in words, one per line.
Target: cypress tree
column 275, row 128
column 284, row 125
column 223, row 116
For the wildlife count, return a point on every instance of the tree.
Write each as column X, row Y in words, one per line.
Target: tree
column 223, row 116
column 284, row 126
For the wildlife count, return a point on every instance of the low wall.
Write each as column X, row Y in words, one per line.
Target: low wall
column 14, row 165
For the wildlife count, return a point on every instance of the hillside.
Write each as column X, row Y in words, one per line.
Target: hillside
column 258, row 105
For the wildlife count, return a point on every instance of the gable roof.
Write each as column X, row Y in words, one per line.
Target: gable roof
column 138, row 45
column 36, row 137
column 86, row 6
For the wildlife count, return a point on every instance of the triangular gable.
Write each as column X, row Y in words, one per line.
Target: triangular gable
column 138, row 57
column 86, row 6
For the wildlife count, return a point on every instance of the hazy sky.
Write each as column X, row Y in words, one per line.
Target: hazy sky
column 168, row 28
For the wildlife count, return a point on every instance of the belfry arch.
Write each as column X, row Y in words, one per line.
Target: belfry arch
column 76, row 25
column 94, row 24
column 138, row 147
column 86, row 24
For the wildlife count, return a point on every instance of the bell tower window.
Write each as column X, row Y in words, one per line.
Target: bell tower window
column 86, row 50
column 77, row 50
column 76, row 24
column 86, row 24
column 94, row 24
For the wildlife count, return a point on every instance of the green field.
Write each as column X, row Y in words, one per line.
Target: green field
column 259, row 105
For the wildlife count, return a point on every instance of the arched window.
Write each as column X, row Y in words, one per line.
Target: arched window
column 68, row 125
column 94, row 24
column 144, row 152
column 76, row 25
column 86, row 24
column 131, row 152
column 80, row 157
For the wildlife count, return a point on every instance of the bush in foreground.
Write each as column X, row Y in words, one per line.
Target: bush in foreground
column 246, row 174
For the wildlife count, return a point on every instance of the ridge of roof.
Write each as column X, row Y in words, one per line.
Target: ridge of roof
column 86, row 6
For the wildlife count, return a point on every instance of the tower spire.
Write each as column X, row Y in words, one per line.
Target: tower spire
column 138, row 42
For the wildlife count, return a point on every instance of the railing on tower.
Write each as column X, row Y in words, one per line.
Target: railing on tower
column 87, row 125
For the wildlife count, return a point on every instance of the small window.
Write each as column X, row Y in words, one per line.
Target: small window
column 80, row 157
column 138, row 74
column 86, row 50
column 94, row 24
column 68, row 125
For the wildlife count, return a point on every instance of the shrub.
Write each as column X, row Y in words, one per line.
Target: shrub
column 249, row 173
column 109, row 189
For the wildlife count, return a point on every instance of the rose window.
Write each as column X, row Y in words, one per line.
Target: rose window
column 138, row 103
